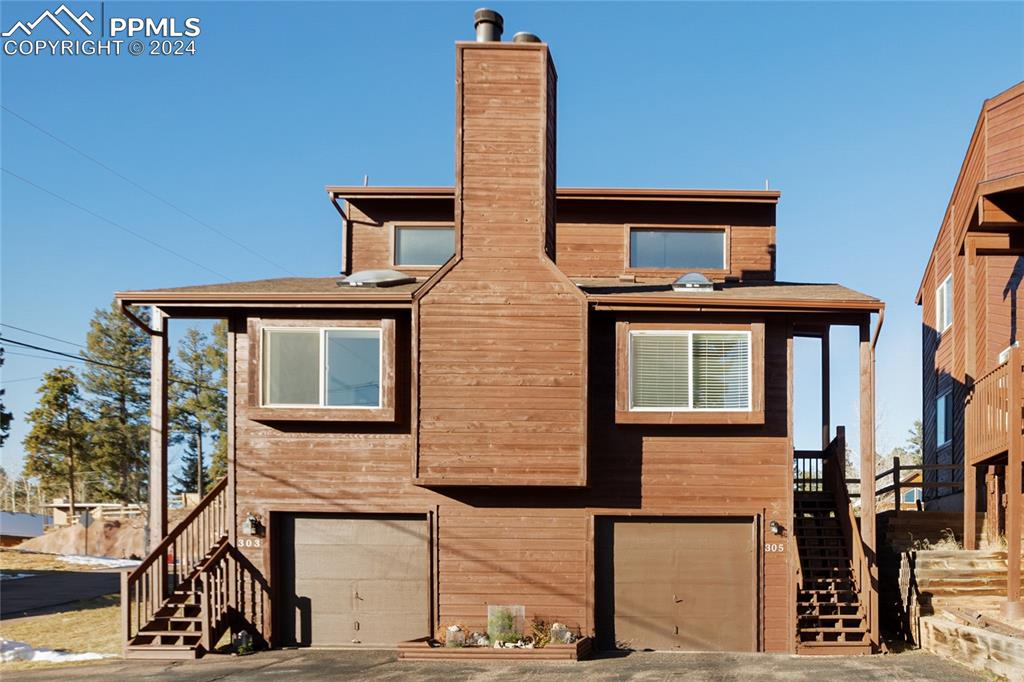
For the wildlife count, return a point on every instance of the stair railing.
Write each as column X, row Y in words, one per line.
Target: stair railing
column 835, row 482
column 235, row 595
column 173, row 561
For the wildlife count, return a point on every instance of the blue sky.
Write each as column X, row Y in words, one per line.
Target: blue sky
column 859, row 113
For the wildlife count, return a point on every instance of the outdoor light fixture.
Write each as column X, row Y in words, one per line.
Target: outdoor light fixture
column 775, row 527
column 252, row 526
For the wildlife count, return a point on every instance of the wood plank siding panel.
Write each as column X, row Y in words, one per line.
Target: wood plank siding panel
column 588, row 240
column 529, row 547
column 503, row 425
column 1005, row 130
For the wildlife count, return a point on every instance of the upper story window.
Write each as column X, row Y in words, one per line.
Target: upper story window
column 659, row 248
column 423, row 245
column 690, row 370
column 944, row 419
column 944, row 305
column 322, row 367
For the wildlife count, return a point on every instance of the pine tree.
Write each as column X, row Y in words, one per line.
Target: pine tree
column 57, row 446
column 119, row 403
column 5, row 415
column 185, row 480
column 198, row 404
column 219, row 416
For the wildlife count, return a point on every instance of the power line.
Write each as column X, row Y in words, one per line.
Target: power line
column 159, row 198
column 14, row 381
column 45, row 336
column 117, row 225
column 93, row 361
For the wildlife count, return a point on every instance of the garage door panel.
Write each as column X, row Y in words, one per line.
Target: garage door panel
column 687, row 584
column 357, row 561
column 354, row 579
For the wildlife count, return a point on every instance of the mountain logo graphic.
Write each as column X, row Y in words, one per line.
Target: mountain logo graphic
column 78, row 20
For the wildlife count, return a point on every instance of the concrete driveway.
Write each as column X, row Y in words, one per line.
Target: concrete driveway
column 47, row 591
column 298, row 665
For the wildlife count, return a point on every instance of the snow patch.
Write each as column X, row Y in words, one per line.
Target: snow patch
column 14, row 576
column 98, row 561
column 11, row 650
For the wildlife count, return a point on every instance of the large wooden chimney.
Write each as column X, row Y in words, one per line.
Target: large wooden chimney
column 501, row 332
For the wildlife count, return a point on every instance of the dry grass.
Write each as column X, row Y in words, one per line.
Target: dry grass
column 16, row 561
column 92, row 625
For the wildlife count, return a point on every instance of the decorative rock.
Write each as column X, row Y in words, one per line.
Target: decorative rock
column 560, row 634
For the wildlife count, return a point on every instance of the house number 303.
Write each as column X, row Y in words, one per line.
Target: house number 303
column 250, row 542
column 774, row 547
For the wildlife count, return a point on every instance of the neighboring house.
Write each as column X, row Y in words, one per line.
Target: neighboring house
column 530, row 414
column 971, row 304
column 16, row 527
column 909, row 494
column 63, row 515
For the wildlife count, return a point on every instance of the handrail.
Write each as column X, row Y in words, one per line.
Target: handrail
column 173, row 534
column 835, row 481
column 174, row 561
column 233, row 592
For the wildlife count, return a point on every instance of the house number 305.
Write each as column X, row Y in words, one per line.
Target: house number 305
column 774, row 547
column 250, row 542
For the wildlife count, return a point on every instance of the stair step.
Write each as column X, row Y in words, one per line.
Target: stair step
column 161, row 652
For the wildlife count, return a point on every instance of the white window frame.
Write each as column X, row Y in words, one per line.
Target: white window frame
column 915, row 494
column 944, row 396
column 322, row 389
column 690, row 333
column 397, row 227
column 944, row 305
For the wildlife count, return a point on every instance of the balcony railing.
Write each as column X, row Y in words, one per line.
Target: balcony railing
column 988, row 413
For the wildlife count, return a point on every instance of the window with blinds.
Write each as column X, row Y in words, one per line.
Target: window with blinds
column 698, row 370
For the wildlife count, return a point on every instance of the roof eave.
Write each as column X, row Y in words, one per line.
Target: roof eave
column 710, row 302
column 570, row 193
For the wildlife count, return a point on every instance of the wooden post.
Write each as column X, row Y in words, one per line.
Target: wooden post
column 970, row 504
column 867, row 436
column 898, row 495
column 993, row 504
column 158, row 429
column 970, row 313
column 867, row 473
column 1013, row 608
column 826, row 410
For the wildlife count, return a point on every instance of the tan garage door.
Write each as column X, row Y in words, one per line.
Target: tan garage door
column 353, row 579
column 678, row 584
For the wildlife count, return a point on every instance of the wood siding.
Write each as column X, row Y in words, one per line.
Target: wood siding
column 531, row 546
column 501, row 352
column 589, row 239
column 1004, row 152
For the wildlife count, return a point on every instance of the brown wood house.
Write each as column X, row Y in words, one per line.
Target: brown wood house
column 972, row 362
column 530, row 415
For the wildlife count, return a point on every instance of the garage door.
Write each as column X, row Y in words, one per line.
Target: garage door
column 353, row 579
column 677, row 584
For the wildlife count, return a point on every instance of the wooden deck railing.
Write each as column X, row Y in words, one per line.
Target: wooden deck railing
column 899, row 486
column 234, row 594
column 834, row 474
column 808, row 472
column 173, row 561
column 988, row 414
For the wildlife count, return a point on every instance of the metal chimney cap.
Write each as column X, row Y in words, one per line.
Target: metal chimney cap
column 488, row 25
column 524, row 37
column 484, row 14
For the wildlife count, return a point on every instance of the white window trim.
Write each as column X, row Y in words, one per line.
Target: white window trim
column 678, row 228
column 941, row 322
column 322, row 388
column 947, row 394
column 395, row 227
column 690, row 333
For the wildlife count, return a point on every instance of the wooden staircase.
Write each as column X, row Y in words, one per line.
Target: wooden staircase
column 193, row 588
column 831, row 618
column 836, row 596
